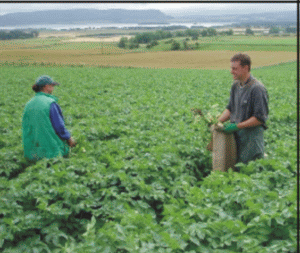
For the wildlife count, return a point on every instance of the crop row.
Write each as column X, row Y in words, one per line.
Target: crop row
column 140, row 178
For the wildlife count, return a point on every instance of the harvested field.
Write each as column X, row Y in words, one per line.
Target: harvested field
column 195, row 59
column 177, row 59
column 57, row 34
column 108, row 39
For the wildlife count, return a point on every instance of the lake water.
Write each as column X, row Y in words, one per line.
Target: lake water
column 101, row 25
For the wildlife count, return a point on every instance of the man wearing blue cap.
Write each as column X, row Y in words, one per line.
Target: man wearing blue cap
column 43, row 130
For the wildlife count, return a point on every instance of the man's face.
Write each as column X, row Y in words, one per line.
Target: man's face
column 238, row 71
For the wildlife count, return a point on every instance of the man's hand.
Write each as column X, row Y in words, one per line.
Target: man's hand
column 71, row 142
column 230, row 128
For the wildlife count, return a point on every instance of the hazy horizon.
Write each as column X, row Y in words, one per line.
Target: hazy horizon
column 172, row 9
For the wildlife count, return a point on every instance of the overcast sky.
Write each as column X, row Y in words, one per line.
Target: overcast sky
column 167, row 8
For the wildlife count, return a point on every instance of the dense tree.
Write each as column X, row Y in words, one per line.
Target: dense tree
column 17, row 34
column 148, row 37
column 212, row 32
column 192, row 33
column 291, row 29
column 209, row 32
column 230, row 32
column 185, row 45
column 204, row 33
column 35, row 34
column 179, row 34
column 195, row 37
column 152, row 44
column 3, row 35
column 274, row 30
column 175, row 45
column 159, row 35
column 249, row 31
column 122, row 43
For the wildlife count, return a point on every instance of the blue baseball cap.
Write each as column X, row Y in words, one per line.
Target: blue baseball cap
column 44, row 80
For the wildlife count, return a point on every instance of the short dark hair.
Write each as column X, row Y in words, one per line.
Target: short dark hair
column 36, row 88
column 244, row 59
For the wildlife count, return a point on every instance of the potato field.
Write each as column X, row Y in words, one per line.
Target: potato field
column 140, row 179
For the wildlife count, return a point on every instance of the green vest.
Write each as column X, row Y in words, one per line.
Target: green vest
column 39, row 137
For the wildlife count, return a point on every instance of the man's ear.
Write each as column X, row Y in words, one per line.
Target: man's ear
column 246, row 67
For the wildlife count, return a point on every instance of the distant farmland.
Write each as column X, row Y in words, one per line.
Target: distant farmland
column 213, row 53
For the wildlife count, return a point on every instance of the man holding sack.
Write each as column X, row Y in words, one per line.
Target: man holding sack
column 247, row 110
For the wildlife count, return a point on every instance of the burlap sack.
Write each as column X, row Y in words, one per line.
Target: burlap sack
column 223, row 150
column 210, row 145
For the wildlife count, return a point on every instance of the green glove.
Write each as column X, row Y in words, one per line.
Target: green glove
column 230, row 128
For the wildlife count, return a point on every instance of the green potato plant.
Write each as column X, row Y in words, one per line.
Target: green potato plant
column 140, row 178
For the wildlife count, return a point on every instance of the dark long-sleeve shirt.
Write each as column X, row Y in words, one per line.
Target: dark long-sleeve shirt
column 58, row 123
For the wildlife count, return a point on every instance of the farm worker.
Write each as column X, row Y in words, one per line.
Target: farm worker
column 247, row 110
column 43, row 131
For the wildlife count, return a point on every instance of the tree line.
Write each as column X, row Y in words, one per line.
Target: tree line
column 151, row 38
column 18, row 34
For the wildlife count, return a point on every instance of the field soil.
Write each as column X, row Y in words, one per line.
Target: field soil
column 86, row 39
column 193, row 59
column 170, row 59
column 44, row 35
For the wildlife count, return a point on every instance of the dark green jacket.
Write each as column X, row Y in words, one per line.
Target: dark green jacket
column 39, row 137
